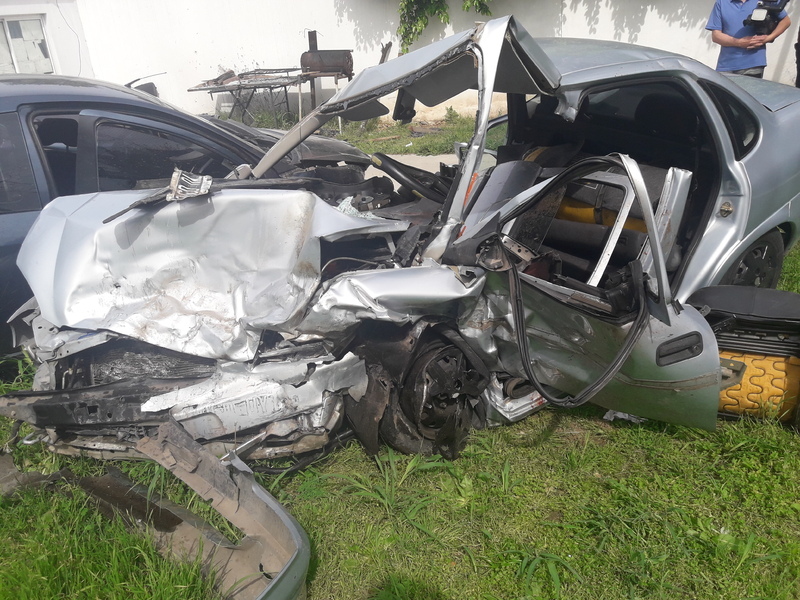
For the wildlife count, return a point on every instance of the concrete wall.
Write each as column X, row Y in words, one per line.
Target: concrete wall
column 194, row 40
column 63, row 32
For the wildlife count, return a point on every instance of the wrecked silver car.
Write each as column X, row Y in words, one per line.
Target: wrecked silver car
column 263, row 318
column 267, row 316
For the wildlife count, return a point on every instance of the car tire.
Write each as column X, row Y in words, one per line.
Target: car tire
column 760, row 265
column 428, row 414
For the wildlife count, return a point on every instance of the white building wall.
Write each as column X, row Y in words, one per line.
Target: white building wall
column 195, row 40
column 63, row 32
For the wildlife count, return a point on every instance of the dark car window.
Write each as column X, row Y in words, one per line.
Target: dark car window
column 741, row 124
column 58, row 137
column 657, row 123
column 131, row 157
column 18, row 192
column 656, row 109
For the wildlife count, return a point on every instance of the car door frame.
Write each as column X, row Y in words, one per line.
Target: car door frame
column 91, row 118
column 91, row 113
column 671, row 372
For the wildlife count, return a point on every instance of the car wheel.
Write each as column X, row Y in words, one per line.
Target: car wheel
column 760, row 265
column 431, row 412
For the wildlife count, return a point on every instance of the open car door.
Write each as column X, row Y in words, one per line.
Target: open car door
column 585, row 292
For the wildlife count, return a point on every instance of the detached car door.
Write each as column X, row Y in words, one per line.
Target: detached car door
column 588, row 281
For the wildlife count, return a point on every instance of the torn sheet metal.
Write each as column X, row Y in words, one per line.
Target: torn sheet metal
column 433, row 74
column 269, row 563
column 399, row 296
column 204, row 276
column 185, row 185
column 504, row 408
column 290, row 398
column 13, row 480
column 614, row 415
column 272, row 560
column 528, row 68
column 30, row 328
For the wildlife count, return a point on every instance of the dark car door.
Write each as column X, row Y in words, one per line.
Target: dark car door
column 86, row 151
column 96, row 150
column 20, row 203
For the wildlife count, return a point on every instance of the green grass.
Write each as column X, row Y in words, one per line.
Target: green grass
column 428, row 140
column 391, row 137
column 56, row 545
column 561, row 505
column 790, row 275
column 14, row 375
column 269, row 120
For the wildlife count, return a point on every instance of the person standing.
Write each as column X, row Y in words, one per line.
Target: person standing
column 743, row 51
column 797, row 60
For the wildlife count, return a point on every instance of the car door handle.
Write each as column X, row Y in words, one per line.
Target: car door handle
column 682, row 348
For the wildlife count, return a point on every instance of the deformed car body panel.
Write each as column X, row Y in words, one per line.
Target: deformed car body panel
column 573, row 347
column 284, row 395
column 532, row 70
column 272, row 560
column 43, row 116
column 571, row 332
column 436, row 73
column 574, row 330
column 244, row 276
column 399, row 296
column 203, row 276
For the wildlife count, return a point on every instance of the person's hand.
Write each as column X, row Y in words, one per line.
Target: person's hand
column 756, row 41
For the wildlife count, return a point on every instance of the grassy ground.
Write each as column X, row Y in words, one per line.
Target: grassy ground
column 415, row 138
column 58, row 546
column 55, row 544
column 562, row 505
column 421, row 138
column 790, row 276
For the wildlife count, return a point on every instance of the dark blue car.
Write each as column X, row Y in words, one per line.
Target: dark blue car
column 64, row 136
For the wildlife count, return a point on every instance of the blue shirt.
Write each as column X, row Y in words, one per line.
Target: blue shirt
column 728, row 17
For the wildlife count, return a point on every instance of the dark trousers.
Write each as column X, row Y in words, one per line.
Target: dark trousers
column 797, row 60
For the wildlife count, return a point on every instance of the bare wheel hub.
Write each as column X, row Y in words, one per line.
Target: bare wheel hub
column 438, row 388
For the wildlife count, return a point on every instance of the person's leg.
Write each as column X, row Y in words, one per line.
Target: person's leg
column 797, row 61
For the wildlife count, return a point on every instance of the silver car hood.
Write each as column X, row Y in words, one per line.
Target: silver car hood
column 203, row 276
column 498, row 56
column 518, row 51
